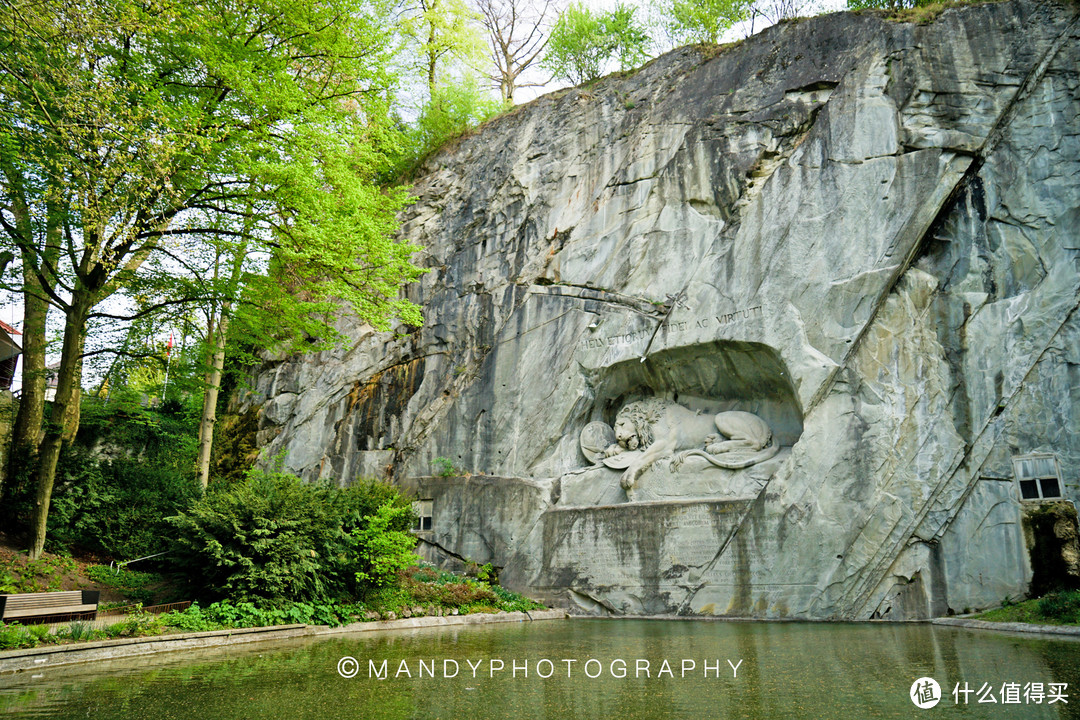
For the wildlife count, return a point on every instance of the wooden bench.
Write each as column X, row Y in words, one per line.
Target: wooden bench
column 40, row 605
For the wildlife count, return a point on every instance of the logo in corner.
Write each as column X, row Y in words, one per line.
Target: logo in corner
column 925, row 693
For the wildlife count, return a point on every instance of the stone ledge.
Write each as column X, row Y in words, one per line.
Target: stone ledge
column 1009, row 626
column 14, row 661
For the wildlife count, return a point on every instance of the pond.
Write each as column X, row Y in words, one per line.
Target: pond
column 580, row 668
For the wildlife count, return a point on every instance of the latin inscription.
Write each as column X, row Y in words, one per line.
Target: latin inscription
column 691, row 536
column 682, row 326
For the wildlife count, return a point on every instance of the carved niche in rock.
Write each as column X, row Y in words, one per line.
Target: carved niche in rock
column 648, row 431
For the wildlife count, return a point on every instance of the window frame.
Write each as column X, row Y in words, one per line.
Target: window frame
column 424, row 509
column 1019, row 479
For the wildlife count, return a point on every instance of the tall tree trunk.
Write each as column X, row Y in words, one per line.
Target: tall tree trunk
column 64, row 422
column 26, row 433
column 432, row 54
column 216, row 341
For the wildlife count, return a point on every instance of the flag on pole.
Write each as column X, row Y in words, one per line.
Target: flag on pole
column 168, row 365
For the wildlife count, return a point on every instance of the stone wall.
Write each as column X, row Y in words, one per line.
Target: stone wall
column 865, row 233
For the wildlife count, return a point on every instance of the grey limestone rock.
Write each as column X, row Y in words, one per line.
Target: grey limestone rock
column 866, row 233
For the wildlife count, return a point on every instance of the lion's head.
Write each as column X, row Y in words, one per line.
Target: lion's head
column 634, row 423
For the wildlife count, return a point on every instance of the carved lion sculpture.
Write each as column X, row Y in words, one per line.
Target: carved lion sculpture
column 648, row 430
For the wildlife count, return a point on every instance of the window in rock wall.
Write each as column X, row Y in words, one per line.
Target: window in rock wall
column 423, row 515
column 1038, row 475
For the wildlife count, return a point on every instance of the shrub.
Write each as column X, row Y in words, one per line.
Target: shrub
column 382, row 550
column 129, row 469
column 274, row 539
column 245, row 614
column 15, row 636
column 1062, row 606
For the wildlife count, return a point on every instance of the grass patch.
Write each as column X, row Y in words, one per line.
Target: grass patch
column 1059, row 608
column 922, row 14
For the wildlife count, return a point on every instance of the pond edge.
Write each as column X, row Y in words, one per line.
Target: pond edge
column 16, row 661
column 1009, row 626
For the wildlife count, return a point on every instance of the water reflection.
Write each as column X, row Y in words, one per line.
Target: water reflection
column 783, row 671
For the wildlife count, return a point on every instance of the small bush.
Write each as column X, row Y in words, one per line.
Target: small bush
column 80, row 632
column 222, row 615
column 273, row 539
column 15, row 636
column 444, row 467
column 430, row 585
column 1061, row 606
column 382, row 551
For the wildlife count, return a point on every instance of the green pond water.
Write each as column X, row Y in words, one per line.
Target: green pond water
column 784, row 670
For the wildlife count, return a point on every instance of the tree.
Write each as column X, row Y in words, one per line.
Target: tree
column 583, row 43
column 702, row 21
column 773, row 11
column 889, row 4
column 126, row 126
column 443, row 30
column 515, row 30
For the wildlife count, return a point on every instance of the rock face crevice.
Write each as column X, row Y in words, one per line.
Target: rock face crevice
column 863, row 232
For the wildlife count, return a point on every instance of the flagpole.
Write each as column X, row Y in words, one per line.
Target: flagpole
column 168, row 366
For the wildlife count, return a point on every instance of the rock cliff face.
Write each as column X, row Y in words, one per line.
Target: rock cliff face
column 866, row 233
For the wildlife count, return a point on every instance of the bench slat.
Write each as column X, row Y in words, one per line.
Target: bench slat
column 67, row 599
column 65, row 610
column 68, row 602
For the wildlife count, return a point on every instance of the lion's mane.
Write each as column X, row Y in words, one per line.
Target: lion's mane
column 643, row 415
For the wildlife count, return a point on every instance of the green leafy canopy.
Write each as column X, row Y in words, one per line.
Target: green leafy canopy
column 133, row 127
column 584, row 42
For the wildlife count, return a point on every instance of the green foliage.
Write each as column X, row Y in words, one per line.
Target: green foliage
column 453, row 109
column 443, row 31
column 381, row 550
column 133, row 585
column 129, row 469
column 14, row 636
column 1061, row 606
column 487, row 573
column 39, row 633
column 920, row 11
column 583, row 42
column 430, row 585
column 444, row 467
column 9, row 584
column 134, row 132
column 1057, row 608
column 22, row 575
column 702, row 21
column 222, row 615
column 263, row 122
column 79, row 632
column 272, row 538
column 138, row 623
column 888, row 4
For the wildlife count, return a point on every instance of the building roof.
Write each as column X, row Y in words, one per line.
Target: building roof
column 8, row 329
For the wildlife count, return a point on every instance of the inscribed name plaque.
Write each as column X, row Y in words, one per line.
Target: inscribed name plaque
column 630, row 557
